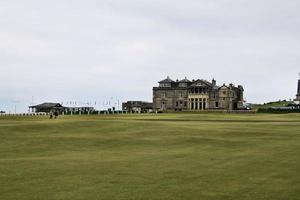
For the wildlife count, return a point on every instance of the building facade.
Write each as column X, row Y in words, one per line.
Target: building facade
column 57, row 107
column 196, row 95
column 137, row 106
column 47, row 108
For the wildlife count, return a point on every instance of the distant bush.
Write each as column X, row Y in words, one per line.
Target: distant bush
column 279, row 110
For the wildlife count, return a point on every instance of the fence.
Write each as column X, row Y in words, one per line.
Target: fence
column 103, row 112
column 106, row 112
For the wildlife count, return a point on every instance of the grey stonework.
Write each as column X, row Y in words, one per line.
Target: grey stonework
column 137, row 106
column 196, row 95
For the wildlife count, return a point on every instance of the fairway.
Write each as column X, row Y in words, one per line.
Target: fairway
column 165, row 156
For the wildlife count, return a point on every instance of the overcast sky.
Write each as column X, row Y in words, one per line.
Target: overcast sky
column 95, row 50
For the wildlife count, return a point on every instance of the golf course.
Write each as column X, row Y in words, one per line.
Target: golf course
column 193, row 156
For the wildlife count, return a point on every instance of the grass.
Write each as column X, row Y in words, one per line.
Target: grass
column 167, row 156
column 272, row 104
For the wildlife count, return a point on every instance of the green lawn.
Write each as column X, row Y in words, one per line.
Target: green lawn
column 166, row 156
column 272, row 104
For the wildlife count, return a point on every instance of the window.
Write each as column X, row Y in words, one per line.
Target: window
column 176, row 103
column 182, row 85
column 165, row 85
column 217, row 104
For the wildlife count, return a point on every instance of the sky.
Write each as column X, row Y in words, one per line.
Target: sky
column 100, row 51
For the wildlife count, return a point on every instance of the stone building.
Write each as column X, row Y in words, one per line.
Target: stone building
column 137, row 106
column 196, row 95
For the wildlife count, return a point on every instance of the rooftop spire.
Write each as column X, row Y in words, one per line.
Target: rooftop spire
column 298, row 90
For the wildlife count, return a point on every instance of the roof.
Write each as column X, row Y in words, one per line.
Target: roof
column 200, row 83
column 137, row 102
column 207, row 82
column 167, row 80
column 185, row 80
column 223, row 86
column 81, row 107
column 47, row 105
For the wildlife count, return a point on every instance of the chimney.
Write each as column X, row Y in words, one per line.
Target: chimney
column 298, row 91
column 214, row 82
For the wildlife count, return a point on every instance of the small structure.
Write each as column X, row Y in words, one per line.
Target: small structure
column 297, row 100
column 47, row 108
column 137, row 106
column 57, row 107
column 79, row 110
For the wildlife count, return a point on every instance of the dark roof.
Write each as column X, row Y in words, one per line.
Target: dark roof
column 47, row 105
column 81, row 107
column 167, row 80
column 207, row 82
column 201, row 82
column 185, row 80
column 137, row 102
column 222, row 86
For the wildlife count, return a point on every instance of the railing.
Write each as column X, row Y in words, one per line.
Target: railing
column 72, row 113
column 240, row 111
column 126, row 112
column 23, row 114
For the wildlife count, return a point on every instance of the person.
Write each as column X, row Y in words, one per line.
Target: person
column 55, row 114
